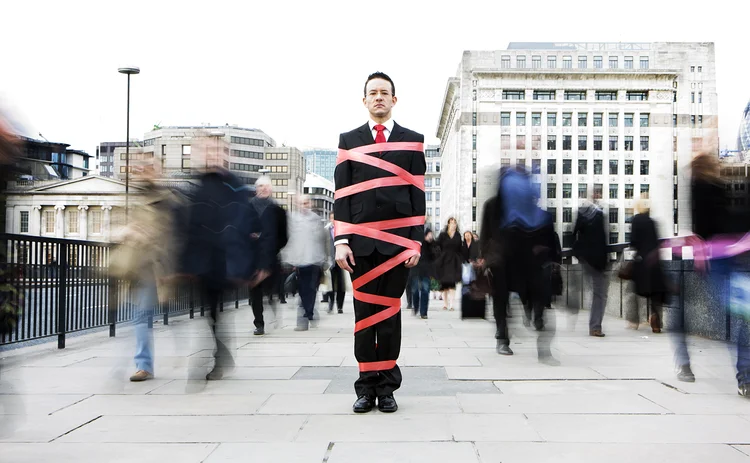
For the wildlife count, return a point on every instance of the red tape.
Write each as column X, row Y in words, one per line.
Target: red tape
column 377, row 231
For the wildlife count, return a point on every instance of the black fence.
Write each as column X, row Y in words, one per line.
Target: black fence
column 64, row 286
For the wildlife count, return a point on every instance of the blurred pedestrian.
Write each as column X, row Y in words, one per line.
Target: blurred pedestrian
column 338, row 285
column 448, row 262
column 309, row 250
column 421, row 276
column 469, row 248
column 590, row 248
column 274, row 223
column 648, row 275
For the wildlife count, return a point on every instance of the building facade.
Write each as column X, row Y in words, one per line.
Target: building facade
column 432, row 183
column 105, row 153
column 321, row 162
column 286, row 167
column 321, row 191
column 43, row 160
column 617, row 121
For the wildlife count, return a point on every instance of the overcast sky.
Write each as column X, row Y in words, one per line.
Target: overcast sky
column 295, row 69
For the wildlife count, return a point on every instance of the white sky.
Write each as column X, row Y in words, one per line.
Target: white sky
column 296, row 69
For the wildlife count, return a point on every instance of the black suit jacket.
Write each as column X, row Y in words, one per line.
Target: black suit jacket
column 384, row 203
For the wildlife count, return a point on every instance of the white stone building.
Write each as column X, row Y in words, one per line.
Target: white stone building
column 321, row 191
column 622, row 120
column 432, row 188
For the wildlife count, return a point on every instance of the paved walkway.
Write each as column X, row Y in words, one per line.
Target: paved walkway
column 614, row 399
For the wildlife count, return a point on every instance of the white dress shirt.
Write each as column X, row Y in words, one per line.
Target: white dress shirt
column 387, row 132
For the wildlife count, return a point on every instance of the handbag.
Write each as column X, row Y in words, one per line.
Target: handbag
column 467, row 273
column 626, row 270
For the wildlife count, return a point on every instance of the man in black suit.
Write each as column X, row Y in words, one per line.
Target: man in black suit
column 377, row 347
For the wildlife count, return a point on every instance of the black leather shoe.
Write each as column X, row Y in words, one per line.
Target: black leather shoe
column 341, row 310
column 387, row 404
column 259, row 331
column 504, row 349
column 364, row 404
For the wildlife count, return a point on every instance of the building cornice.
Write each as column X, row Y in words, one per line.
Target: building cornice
column 448, row 100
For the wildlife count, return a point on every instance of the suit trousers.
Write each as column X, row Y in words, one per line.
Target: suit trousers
column 381, row 341
column 339, row 289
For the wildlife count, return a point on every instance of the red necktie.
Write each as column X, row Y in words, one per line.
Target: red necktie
column 380, row 137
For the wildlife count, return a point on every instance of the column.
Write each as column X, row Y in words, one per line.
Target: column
column 10, row 219
column 60, row 221
column 35, row 221
column 106, row 228
column 83, row 222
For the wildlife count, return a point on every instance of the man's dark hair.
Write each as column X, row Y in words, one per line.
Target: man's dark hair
column 380, row 75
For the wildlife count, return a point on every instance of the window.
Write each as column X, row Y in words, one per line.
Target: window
column 628, row 143
column 583, row 119
column 645, row 120
column 72, row 221
column 674, row 120
column 551, row 119
column 514, row 94
column 521, row 164
column 474, row 141
column 614, row 215
column 437, row 212
column 437, row 166
column 582, row 62
column 575, row 95
column 429, row 212
column 553, row 213
column 700, row 97
column 614, row 237
column 567, row 62
column 96, row 222
column 598, row 190
column 437, row 179
column 505, row 62
column 567, row 142
column 428, row 182
column 583, row 191
column 700, row 120
column 598, row 119
column 247, row 154
column 567, row 167
column 583, row 167
column 428, row 196
column 628, row 167
column 536, row 62
column 505, row 119
column 24, row 221
column 628, row 119
column 692, row 121
column 692, row 68
column 628, row 191
column 606, row 95
column 520, row 142
column 536, row 142
column 598, row 141
column 521, row 119
column 644, row 190
column 567, row 215
column 551, row 167
column 505, row 162
column 598, row 166
column 598, row 62
column 628, row 62
column 644, row 167
column 613, row 143
column 637, row 96
column 628, row 215
column 437, row 198
column 582, row 142
column 505, row 141
column 613, row 167
column 474, row 118
column 644, row 143
column 521, row 62
column 567, row 190
column 544, row 95
column 644, row 62
column 552, row 142
column 613, row 62
column 700, row 68
column 49, row 220
column 613, row 119
column 186, row 164
column 552, row 62
column 536, row 119
column 248, row 141
column 536, row 166
column 613, row 191
column 186, row 150
column 674, row 97
column 567, row 119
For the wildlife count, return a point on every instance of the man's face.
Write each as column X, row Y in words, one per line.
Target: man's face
column 263, row 191
column 379, row 99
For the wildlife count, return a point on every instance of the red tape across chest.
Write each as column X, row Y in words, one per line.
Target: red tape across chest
column 377, row 231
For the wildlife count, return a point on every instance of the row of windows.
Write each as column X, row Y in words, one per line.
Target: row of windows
column 247, row 154
column 136, row 156
column 277, row 156
column 428, row 196
column 583, row 190
column 567, row 145
column 278, row 169
column 436, row 166
column 567, row 62
column 72, row 223
column 582, row 119
column 575, row 95
column 583, row 166
column 245, row 167
column 428, row 182
column 280, row 182
column 319, row 191
column 248, row 141
column 437, row 212
column 567, row 217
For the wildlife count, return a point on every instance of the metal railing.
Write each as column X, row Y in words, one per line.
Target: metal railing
column 64, row 286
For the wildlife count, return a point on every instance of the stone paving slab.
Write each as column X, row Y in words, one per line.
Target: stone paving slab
column 493, row 428
column 399, row 452
column 270, row 452
column 341, row 404
column 110, row 453
column 170, row 405
column 243, row 386
column 377, row 427
column 40, row 404
column 610, row 403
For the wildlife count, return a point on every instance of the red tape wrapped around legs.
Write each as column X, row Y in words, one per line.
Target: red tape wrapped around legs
column 377, row 231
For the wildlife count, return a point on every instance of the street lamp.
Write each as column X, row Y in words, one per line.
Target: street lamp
column 130, row 70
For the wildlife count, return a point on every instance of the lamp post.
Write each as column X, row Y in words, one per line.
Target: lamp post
column 130, row 70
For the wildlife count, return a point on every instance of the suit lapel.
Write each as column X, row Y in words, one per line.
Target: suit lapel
column 397, row 134
column 365, row 135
